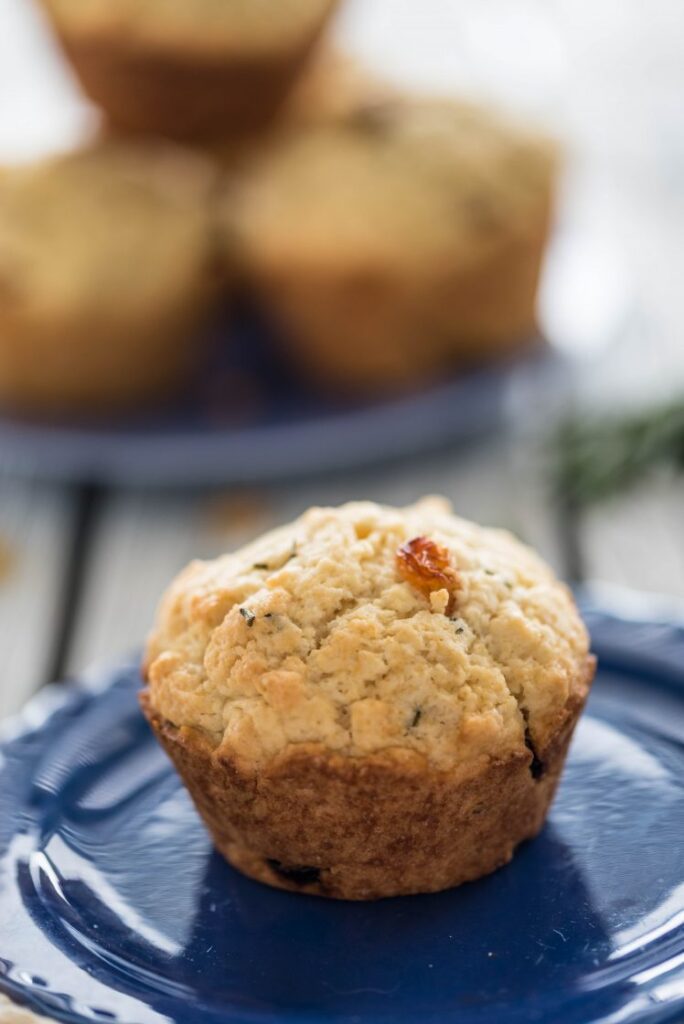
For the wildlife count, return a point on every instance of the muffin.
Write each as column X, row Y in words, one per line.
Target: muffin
column 369, row 701
column 395, row 242
column 105, row 275
column 188, row 68
column 333, row 88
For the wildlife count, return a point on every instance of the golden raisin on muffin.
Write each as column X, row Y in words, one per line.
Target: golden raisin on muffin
column 105, row 275
column 369, row 701
column 188, row 68
column 396, row 241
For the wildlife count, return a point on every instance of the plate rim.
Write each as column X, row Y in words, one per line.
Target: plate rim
column 461, row 407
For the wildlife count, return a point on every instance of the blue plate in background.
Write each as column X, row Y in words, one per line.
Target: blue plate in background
column 249, row 418
column 113, row 906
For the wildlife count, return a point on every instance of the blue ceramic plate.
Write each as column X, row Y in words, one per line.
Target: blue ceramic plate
column 248, row 418
column 113, row 906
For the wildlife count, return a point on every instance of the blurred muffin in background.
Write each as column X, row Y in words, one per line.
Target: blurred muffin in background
column 333, row 87
column 396, row 240
column 105, row 273
column 188, row 68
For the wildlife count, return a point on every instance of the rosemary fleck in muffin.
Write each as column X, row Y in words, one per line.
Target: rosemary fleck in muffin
column 104, row 276
column 188, row 68
column 398, row 240
column 369, row 701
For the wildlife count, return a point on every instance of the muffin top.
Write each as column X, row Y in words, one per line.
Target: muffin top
column 203, row 27
column 364, row 630
column 110, row 224
column 401, row 183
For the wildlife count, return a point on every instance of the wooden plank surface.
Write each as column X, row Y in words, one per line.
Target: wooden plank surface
column 35, row 526
column 637, row 539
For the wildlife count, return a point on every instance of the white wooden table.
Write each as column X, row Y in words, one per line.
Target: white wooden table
column 81, row 569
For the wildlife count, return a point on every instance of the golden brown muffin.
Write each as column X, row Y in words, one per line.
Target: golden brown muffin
column 188, row 68
column 369, row 701
column 104, row 276
column 402, row 239
column 333, row 88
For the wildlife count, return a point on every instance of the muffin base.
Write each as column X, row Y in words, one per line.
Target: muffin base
column 370, row 330
column 385, row 825
column 180, row 95
column 56, row 366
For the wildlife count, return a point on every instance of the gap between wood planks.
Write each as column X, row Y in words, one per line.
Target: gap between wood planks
column 89, row 501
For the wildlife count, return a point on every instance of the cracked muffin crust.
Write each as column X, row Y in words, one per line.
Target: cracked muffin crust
column 370, row 700
column 105, row 273
column 398, row 240
column 186, row 69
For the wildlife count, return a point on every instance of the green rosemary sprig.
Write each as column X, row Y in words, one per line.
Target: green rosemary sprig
column 597, row 458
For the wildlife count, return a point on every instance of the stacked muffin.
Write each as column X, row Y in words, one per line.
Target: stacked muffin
column 105, row 276
column 387, row 237
column 189, row 70
column 397, row 240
